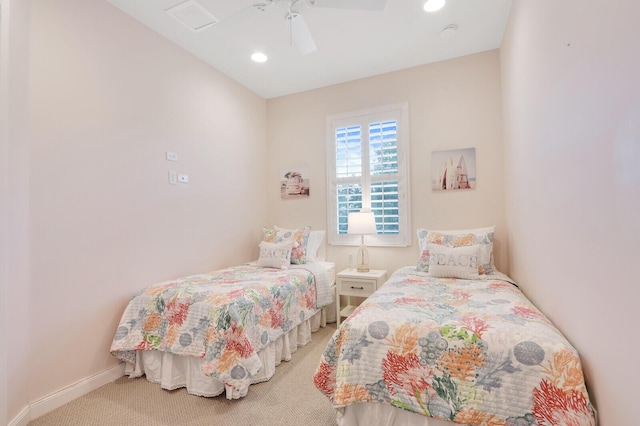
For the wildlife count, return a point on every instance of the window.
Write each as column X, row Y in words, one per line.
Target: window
column 368, row 169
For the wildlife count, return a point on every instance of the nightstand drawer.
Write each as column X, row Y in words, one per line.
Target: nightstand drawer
column 351, row 283
column 353, row 287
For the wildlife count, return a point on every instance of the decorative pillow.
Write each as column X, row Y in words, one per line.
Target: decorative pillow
column 300, row 238
column 458, row 238
column 313, row 246
column 275, row 255
column 454, row 262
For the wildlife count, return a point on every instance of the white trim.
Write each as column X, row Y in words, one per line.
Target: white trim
column 21, row 419
column 68, row 394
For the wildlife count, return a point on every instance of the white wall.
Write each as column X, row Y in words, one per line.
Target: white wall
column 4, row 200
column 103, row 98
column 90, row 214
column 570, row 75
column 14, row 163
column 452, row 104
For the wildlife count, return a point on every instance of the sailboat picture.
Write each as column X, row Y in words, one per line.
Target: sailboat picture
column 453, row 169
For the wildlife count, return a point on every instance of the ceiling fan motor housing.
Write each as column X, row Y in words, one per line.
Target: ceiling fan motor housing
column 298, row 31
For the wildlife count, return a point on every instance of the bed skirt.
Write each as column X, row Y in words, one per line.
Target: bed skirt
column 174, row 371
column 376, row 413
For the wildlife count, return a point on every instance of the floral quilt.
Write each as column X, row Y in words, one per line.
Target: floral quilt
column 474, row 352
column 224, row 317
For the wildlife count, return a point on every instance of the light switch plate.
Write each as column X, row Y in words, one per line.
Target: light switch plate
column 173, row 178
column 183, row 178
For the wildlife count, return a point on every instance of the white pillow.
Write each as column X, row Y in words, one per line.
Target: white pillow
column 275, row 255
column 454, row 262
column 313, row 245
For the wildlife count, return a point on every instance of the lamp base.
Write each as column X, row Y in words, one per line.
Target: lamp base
column 363, row 259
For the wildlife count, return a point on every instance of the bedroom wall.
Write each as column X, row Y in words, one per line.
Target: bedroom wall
column 106, row 98
column 14, row 205
column 572, row 136
column 452, row 104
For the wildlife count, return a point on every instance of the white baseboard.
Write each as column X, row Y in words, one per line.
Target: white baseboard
column 21, row 419
column 68, row 394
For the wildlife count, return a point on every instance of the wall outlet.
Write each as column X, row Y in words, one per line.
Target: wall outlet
column 172, row 156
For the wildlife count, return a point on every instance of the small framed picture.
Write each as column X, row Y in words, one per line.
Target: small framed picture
column 294, row 184
column 453, row 169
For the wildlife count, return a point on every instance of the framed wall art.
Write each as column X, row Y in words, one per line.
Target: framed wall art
column 453, row 169
column 293, row 184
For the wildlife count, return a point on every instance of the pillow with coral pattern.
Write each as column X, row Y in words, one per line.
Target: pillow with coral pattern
column 483, row 237
column 300, row 238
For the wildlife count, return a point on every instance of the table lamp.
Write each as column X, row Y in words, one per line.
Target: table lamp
column 361, row 223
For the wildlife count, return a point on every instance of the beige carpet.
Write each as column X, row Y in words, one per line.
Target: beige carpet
column 289, row 398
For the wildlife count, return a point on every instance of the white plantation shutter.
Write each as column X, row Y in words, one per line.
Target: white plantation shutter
column 367, row 168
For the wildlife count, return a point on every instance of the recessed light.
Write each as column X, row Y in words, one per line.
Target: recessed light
column 433, row 5
column 259, row 57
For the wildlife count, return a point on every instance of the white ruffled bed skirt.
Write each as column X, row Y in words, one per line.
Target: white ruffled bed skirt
column 376, row 413
column 174, row 371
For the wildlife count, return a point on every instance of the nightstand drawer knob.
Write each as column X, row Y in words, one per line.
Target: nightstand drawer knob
column 357, row 288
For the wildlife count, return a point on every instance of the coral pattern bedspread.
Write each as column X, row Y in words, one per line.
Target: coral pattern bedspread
column 474, row 352
column 224, row 317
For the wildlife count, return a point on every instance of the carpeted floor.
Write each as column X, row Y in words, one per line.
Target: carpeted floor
column 289, row 398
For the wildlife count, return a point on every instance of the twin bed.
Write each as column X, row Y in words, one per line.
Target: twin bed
column 442, row 342
column 227, row 329
column 451, row 340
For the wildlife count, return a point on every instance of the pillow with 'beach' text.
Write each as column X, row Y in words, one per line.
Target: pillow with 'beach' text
column 275, row 255
column 458, row 238
column 454, row 262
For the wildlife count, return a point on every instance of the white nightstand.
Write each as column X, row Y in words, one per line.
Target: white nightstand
column 350, row 282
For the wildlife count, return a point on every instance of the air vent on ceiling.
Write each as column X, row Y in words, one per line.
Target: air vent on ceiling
column 193, row 15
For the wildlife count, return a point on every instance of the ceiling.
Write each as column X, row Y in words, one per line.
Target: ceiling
column 351, row 44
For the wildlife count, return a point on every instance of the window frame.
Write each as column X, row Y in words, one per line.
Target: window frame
column 400, row 113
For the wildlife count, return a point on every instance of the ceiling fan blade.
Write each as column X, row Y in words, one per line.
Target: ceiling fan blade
column 301, row 35
column 372, row 5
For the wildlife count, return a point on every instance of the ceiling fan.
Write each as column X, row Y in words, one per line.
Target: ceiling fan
column 299, row 33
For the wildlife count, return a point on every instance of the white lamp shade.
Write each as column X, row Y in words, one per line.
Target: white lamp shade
column 361, row 223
